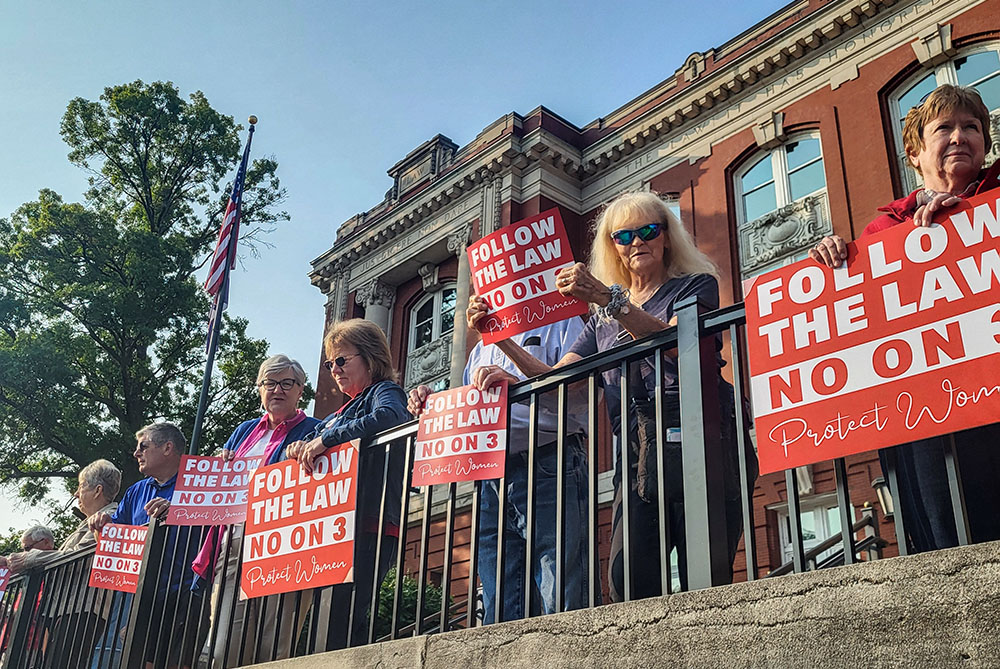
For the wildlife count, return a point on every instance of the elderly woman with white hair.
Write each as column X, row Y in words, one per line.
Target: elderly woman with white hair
column 75, row 623
column 280, row 382
column 642, row 263
column 99, row 483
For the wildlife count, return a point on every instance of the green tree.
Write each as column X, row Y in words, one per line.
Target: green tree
column 102, row 319
column 407, row 603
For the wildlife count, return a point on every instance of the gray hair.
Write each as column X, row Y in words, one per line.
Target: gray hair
column 161, row 433
column 38, row 533
column 279, row 363
column 102, row 473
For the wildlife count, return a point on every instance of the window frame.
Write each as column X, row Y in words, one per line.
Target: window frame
column 826, row 502
column 779, row 166
column 943, row 73
column 438, row 298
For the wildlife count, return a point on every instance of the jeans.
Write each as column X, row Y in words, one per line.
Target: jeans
column 515, row 527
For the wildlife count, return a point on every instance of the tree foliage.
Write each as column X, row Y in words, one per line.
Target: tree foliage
column 407, row 603
column 102, row 320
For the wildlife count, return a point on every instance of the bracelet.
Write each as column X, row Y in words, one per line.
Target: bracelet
column 617, row 304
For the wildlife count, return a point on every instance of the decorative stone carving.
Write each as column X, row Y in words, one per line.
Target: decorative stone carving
column 376, row 293
column 694, row 66
column 489, row 214
column 429, row 277
column 421, row 164
column 770, row 130
column 429, row 362
column 994, row 153
column 785, row 232
column 933, row 46
column 458, row 240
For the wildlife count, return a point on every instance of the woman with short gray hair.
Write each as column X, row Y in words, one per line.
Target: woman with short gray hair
column 280, row 382
column 98, row 485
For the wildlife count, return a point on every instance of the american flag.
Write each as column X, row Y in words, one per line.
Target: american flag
column 224, row 259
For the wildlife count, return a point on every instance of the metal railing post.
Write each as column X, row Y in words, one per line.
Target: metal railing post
column 24, row 616
column 702, row 457
column 141, row 613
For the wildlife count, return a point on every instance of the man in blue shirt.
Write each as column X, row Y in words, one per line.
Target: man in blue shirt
column 158, row 452
column 548, row 343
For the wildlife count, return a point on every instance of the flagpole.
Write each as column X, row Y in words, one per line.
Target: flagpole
column 215, row 327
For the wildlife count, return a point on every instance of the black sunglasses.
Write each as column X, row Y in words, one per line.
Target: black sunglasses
column 339, row 361
column 645, row 233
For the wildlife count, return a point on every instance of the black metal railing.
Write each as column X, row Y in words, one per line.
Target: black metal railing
column 51, row 618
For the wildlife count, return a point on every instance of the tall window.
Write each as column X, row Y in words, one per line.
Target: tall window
column 978, row 67
column 782, row 204
column 432, row 320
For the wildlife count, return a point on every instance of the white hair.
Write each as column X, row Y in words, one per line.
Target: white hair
column 38, row 533
column 102, row 473
column 681, row 257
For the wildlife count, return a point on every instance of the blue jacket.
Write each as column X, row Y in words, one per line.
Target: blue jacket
column 379, row 407
column 298, row 432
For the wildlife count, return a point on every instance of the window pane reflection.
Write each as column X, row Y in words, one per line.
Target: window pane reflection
column 912, row 97
column 759, row 202
column 807, row 180
column 801, row 152
column 758, row 174
column 977, row 66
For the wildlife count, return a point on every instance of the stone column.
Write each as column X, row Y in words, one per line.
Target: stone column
column 377, row 298
column 457, row 242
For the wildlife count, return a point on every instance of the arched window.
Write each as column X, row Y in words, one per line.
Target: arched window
column 782, row 204
column 978, row 66
column 428, row 359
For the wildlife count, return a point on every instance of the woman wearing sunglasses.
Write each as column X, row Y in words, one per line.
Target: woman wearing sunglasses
column 358, row 358
column 280, row 382
column 642, row 262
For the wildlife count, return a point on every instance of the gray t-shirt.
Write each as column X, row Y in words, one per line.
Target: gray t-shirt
column 601, row 335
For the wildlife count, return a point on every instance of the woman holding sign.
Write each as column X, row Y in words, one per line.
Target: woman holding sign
column 946, row 138
column 642, row 263
column 280, row 382
column 358, row 358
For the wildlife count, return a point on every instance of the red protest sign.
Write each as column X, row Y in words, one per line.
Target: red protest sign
column 462, row 436
column 300, row 527
column 211, row 491
column 514, row 270
column 118, row 557
column 902, row 343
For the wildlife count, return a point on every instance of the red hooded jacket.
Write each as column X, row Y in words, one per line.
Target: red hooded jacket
column 902, row 210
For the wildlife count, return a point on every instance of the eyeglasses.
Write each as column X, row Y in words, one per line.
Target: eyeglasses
column 143, row 445
column 271, row 384
column 646, row 233
column 339, row 361
column 28, row 547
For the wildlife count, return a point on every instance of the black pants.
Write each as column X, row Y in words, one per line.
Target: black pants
column 340, row 601
column 644, row 544
column 73, row 638
column 924, row 496
column 644, row 529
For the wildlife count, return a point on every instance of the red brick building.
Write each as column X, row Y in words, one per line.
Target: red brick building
column 786, row 133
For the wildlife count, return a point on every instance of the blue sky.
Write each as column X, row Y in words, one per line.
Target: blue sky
column 343, row 90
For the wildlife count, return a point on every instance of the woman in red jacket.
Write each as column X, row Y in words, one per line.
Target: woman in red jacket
column 946, row 139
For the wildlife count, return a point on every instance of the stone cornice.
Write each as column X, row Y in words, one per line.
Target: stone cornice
column 682, row 127
column 775, row 55
column 538, row 146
